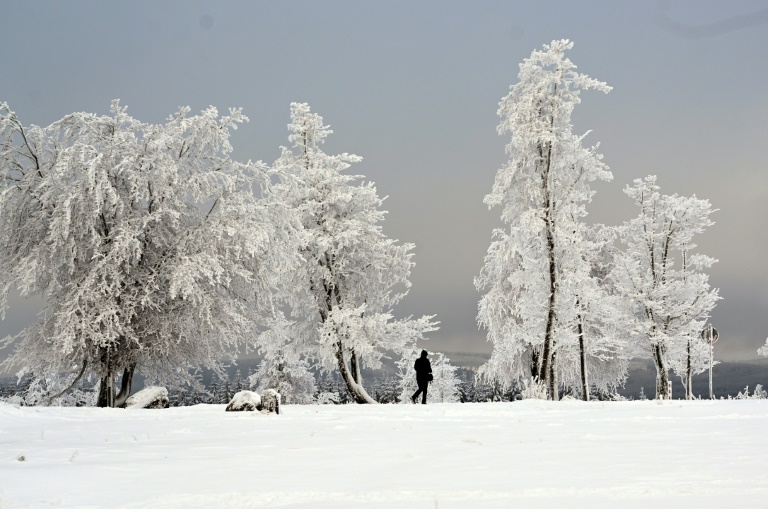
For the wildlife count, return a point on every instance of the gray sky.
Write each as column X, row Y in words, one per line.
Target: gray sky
column 413, row 87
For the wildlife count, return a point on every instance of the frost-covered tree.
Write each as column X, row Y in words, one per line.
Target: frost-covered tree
column 214, row 390
column 763, row 350
column 444, row 387
column 146, row 241
column 237, row 382
column 661, row 280
column 351, row 274
column 528, row 277
column 282, row 367
column 688, row 358
column 592, row 348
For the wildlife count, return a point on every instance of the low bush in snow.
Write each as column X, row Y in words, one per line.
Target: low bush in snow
column 759, row 393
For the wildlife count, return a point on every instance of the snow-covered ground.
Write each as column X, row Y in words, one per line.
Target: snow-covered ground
column 567, row 454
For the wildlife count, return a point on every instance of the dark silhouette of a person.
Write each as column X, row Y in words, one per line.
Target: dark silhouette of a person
column 423, row 376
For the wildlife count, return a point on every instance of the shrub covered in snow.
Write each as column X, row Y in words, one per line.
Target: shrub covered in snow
column 47, row 391
column 534, row 389
column 759, row 393
column 328, row 398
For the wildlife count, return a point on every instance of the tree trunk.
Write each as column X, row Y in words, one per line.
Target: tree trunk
column 553, row 392
column 106, row 397
column 547, row 361
column 125, row 386
column 583, row 359
column 356, row 390
column 535, row 365
column 351, row 377
column 662, row 374
column 354, row 366
column 689, row 375
column 549, row 219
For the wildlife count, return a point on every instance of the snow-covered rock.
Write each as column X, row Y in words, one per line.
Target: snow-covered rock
column 270, row 401
column 244, row 401
column 150, row 397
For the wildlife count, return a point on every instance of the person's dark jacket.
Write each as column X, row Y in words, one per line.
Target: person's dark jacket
column 423, row 369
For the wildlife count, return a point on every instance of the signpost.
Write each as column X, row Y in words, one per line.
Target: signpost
column 709, row 334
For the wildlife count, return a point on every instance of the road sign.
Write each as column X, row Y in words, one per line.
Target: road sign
column 709, row 334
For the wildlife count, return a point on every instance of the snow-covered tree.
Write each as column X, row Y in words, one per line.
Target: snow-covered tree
column 146, row 241
column 688, row 358
column 445, row 384
column 282, row 367
column 215, row 390
column 763, row 350
column 237, row 383
column 352, row 274
column 658, row 276
column 532, row 268
column 592, row 347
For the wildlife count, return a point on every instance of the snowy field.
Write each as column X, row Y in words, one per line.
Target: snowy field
column 532, row 453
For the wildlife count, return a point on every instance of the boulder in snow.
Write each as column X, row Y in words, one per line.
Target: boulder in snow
column 270, row 401
column 150, row 397
column 248, row 401
column 244, row 401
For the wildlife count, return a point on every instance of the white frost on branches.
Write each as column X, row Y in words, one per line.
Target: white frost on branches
column 282, row 367
column 537, row 270
column 351, row 274
column 146, row 241
column 659, row 277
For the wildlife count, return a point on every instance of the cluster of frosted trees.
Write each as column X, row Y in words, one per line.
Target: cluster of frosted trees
column 566, row 304
column 157, row 253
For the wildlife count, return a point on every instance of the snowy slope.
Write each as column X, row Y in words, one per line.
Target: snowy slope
column 568, row 454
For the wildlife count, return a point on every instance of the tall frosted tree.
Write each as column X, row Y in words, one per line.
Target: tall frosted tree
column 542, row 192
column 146, row 242
column 351, row 274
column 662, row 278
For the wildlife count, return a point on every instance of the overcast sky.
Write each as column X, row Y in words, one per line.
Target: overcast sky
column 413, row 88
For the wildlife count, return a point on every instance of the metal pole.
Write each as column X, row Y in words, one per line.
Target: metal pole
column 711, row 361
column 710, row 335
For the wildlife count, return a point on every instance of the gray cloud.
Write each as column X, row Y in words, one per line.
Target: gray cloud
column 715, row 28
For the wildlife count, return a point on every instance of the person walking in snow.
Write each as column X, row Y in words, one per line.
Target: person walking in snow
column 423, row 377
